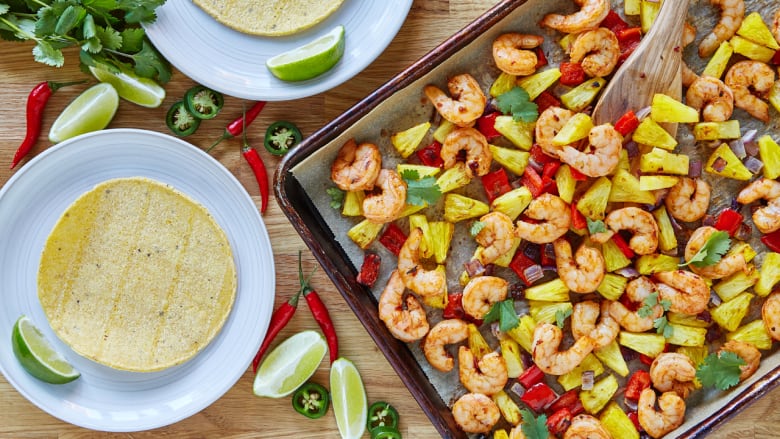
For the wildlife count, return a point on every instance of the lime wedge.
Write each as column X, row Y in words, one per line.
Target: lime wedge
column 290, row 364
column 37, row 356
column 131, row 87
column 310, row 60
column 92, row 110
column 348, row 398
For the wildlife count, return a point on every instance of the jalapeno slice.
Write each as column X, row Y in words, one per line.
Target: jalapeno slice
column 311, row 400
column 180, row 121
column 385, row 433
column 381, row 414
column 203, row 102
column 281, row 136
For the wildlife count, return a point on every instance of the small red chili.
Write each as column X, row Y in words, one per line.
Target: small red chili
column 36, row 102
column 279, row 320
column 238, row 125
column 320, row 313
column 256, row 163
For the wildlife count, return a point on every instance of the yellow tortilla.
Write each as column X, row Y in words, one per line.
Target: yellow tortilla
column 136, row 276
column 269, row 17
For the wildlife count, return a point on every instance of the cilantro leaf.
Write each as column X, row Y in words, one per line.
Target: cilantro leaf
column 139, row 11
column 720, row 370
column 712, row 251
column 336, row 197
column 420, row 191
column 532, row 427
column 518, row 103
column 476, row 227
column 561, row 316
column 596, row 226
column 503, row 312
column 45, row 53
column 661, row 324
column 132, row 39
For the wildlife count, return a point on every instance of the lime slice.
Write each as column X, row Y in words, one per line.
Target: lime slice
column 37, row 356
column 348, row 398
column 92, row 110
column 290, row 364
column 311, row 59
column 131, row 87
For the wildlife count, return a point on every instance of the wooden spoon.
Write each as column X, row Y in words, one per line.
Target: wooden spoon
column 654, row 67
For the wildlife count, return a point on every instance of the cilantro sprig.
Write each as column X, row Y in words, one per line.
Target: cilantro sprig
column 517, row 102
column 595, row 226
column 561, row 315
column 720, row 370
column 420, row 191
column 661, row 324
column 533, row 427
column 712, row 251
column 336, row 197
column 504, row 313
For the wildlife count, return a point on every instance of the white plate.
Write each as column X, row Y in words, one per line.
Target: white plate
column 234, row 63
column 104, row 398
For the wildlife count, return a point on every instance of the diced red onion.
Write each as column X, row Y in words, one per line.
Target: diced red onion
column 715, row 300
column 744, row 232
column 694, row 168
column 551, row 268
column 533, row 273
column 631, row 405
column 754, row 165
column 538, row 167
column 642, row 113
column 517, row 389
column 704, row 316
column 749, row 136
column 474, row 268
column 632, row 149
column 549, row 251
column 719, row 164
column 528, row 360
column 628, row 272
column 675, row 224
column 709, row 220
column 738, row 148
column 588, row 377
column 533, row 251
column 751, row 148
column 495, row 329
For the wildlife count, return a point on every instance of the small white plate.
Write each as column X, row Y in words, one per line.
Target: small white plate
column 234, row 63
column 104, row 398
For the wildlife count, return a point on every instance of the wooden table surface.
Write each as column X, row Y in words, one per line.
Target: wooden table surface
column 239, row 414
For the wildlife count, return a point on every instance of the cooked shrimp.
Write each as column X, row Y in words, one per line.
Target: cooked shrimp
column 746, row 351
column 767, row 218
column 712, row 98
column 597, row 50
column 770, row 314
column 728, row 264
column 583, row 323
column 475, row 413
column 443, row 333
column 356, row 166
column 511, row 54
column 749, row 80
column 486, row 375
column 548, row 357
column 732, row 12
column 687, row 292
column 548, row 125
column 776, row 25
column 496, row 236
column 474, row 144
column 424, row 282
column 410, row 324
column 584, row 272
column 481, row 293
column 658, row 423
column 688, row 36
column 590, row 15
column 605, row 144
column 586, row 427
column 555, row 218
column 689, row 199
column 386, row 202
column 673, row 372
column 640, row 223
column 636, row 290
column 466, row 104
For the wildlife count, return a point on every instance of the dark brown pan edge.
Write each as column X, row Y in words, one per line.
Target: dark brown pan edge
column 299, row 209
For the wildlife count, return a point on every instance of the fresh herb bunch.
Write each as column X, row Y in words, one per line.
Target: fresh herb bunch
column 108, row 32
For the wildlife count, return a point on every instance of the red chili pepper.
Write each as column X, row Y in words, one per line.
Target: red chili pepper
column 36, row 102
column 431, row 155
column 578, row 220
column 279, row 320
column 623, row 246
column 538, row 397
column 238, row 125
column 393, row 238
column 496, row 183
column 639, row 381
column 546, row 100
column 531, row 376
column 559, row 421
column 627, row 123
column 572, row 74
column 729, row 221
column 257, row 165
column 541, row 58
column 369, row 271
column 772, row 241
column 487, row 126
column 320, row 313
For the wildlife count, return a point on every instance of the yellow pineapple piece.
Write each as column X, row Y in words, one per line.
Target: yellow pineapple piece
column 648, row 10
column 502, row 84
column 454, row 178
column 512, row 203
column 731, row 286
column 410, row 209
column 511, row 159
column 645, row 342
column 518, row 132
column 353, row 203
column 566, row 183
column 407, row 141
column 603, row 390
column 719, row 61
column 717, row 130
column 650, row 133
column 754, row 29
column 573, row 379
column 655, row 182
column 575, row 129
column 612, row 286
column 658, row 160
column 364, row 233
column 697, row 354
column 611, row 356
column 593, row 203
column 582, row 95
column 510, row 350
column 625, row 189
column 686, row 335
column 477, row 343
column 426, row 243
column 523, row 333
column 552, row 291
column 742, row 247
column 506, row 258
column 665, row 108
column 441, row 236
column 508, row 408
column 730, row 314
column 755, row 333
column 632, row 7
column 769, row 274
column 438, row 301
column 441, row 132
column 656, row 263
column 500, row 433
column 545, row 312
column 733, row 166
column 769, row 151
column 458, row 208
column 667, row 240
column 535, row 84
column 617, row 423
column 687, row 320
column 623, row 163
column 614, row 259
column 751, row 50
column 422, row 170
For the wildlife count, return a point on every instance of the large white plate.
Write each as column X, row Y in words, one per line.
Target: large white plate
column 104, row 398
column 234, row 63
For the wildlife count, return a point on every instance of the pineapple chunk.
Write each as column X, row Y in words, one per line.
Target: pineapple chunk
column 500, row 434
column 625, row 189
column 567, row 41
column 535, row 84
column 510, row 350
column 687, row 320
column 686, row 335
column 769, row 275
column 353, row 203
column 769, row 151
column 508, row 408
column 754, row 51
column 623, row 163
column 742, row 247
column 477, row 343
column 697, row 354
column 576, row 128
column 650, row 133
column 717, row 130
column 632, row 7
column 667, row 240
column 511, row 159
column 411, row 209
column 659, row 160
column 614, row 259
column 645, row 343
column 546, row 312
column 573, row 379
column 512, row 203
column 719, row 61
column 735, row 284
column 552, row 291
column 648, row 10
column 733, row 166
column 566, row 183
column 458, row 208
column 407, row 141
column 502, row 84
column 754, row 29
column 523, row 333
column 441, row 132
column 518, row 132
column 595, row 399
column 454, row 178
column 612, row 286
column 438, row 301
column 655, row 182
column 422, row 170
column 611, row 356
column 364, row 233
column 754, row 332
column 426, row 244
column 593, row 203
column 656, row 263
column 582, row 95
column 506, row 258
column 730, row 314
column 667, row 109
column 617, row 423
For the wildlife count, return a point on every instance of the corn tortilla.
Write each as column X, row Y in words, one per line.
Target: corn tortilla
column 136, row 276
column 269, row 17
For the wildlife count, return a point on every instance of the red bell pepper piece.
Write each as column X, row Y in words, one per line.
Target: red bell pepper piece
column 393, row 238
column 369, row 271
column 546, row 100
column 577, row 175
column 645, row 359
column 531, row 376
column 729, row 221
column 559, row 422
column 568, row 400
column 520, row 264
column 431, row 155
column 544, row 258
column 550, row 168
column 487, row 126
column 634, row 417
column 496, row 183
column 623, row 246
column 578, row 220
column 772, row 241
column 627, row 123
column 541, row 59
column 572, row 74
column 532, row 180
column 454, row 307
column 538, row 397
column 614, row 22
column 539, row 157
column 629, row 37
column 639, row 381
column 776, row 58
